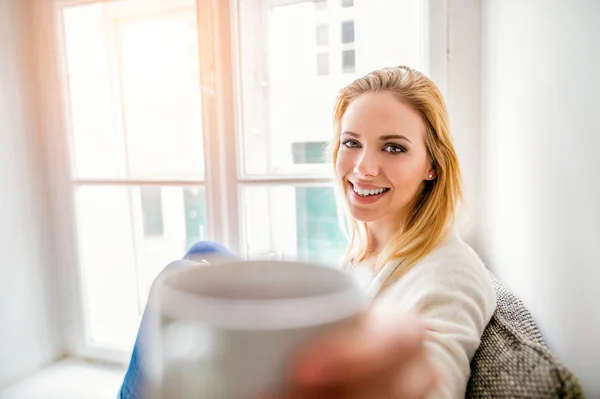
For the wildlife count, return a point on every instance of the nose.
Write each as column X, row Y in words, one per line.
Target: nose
column 366, row 165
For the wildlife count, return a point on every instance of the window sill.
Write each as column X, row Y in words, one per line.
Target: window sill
column 69, row 379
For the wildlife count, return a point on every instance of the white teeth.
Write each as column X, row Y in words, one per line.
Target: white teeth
column 364, row 193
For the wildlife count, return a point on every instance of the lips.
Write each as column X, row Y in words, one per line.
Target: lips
column 367, row 194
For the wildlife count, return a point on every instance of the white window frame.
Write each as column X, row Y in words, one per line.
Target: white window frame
column 217, row 23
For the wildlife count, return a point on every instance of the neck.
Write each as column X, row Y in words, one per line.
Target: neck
column 380, row 233
column 382, row 230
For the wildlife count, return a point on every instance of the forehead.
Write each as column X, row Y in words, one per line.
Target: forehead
column 378, row 114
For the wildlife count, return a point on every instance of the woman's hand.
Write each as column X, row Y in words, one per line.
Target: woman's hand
column 382, row 357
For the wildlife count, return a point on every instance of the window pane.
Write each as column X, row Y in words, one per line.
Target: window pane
column 287, row 87
column 151, row 199
column 120, row 259
column 322, row 35
column 347, row 3
column 348, row 32
column 320, row 5
column 305, row 153
column 292, row 222
column 348, row 61
column 322, row 64
column 134, row 89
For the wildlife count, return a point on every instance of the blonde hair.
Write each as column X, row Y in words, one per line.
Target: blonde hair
column 433, row 211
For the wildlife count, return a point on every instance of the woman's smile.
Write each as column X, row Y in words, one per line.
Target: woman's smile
column 365, row 193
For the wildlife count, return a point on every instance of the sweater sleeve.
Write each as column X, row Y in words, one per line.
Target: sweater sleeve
column 453, row 293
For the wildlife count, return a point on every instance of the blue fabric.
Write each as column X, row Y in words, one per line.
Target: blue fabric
column 134, row 378
column 208, row 248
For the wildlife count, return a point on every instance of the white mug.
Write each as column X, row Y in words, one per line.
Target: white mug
column 230, row 330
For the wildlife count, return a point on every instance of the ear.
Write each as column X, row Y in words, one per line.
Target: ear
column 431, row 174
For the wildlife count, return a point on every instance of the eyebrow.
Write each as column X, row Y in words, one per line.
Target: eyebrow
column 382, row 138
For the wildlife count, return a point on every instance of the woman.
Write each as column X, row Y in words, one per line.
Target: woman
column 398, row 172
column 398, row 176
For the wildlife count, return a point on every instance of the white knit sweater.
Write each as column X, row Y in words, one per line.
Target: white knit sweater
column 451, row 289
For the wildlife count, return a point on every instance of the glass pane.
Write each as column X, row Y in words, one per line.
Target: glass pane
column 320, row 5
column 348, row 32
column 288, row 85
column 126, row 236
column 322, row 64
column 348, row 61
column 322, row 35
column 293, row 223
column 134, row 89
column 347, row 3
column 305, row 153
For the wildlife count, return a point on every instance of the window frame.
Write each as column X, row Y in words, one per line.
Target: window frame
column 218, row 31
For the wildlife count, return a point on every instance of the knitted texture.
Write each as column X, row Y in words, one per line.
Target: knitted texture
column 513, row 360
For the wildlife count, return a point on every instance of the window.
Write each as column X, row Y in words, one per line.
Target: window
column 348, row 46
column 322, row 49
column 151, row 198
column 322, row 35
column 323, row 64
column 174, row 140
column 320, row 5
column 348, row 61
column 137, row 151
column 348, row 32
column 292, row 222
column 309, row 152
column 318, row 235
column 194, row 208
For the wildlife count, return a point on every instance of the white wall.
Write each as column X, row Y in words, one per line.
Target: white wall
column 463, row 87
column 540, row 177
column 29, row 336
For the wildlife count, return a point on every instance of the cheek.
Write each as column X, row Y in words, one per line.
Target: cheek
column 405, row 173
column 343, row 164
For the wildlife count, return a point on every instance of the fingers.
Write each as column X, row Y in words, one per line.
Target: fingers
column 383, row 356
column 417, row 380
column 302, row 395
column 381, row 343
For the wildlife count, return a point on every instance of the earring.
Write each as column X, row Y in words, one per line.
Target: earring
column 430, row 176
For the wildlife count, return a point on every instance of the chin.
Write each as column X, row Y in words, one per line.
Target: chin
column 363, row 215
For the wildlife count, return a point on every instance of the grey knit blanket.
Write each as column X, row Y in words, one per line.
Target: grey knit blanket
column 513, row 360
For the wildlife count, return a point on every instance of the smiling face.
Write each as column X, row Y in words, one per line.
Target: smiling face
column 382, row 159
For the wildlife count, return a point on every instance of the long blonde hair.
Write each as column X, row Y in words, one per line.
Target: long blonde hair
column 433, row 211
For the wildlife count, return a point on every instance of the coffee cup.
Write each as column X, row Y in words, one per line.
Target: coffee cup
column 231, row 330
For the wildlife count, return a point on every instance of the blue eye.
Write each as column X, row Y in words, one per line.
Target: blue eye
column 351, row 144
column 394, row 149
